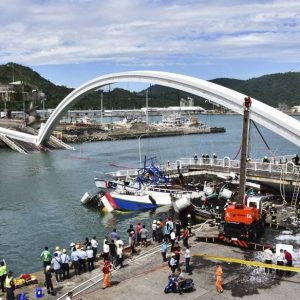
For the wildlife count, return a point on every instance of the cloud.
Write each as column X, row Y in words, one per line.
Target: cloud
column 148, row 32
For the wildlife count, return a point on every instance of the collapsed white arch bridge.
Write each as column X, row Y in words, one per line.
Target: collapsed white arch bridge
column 267, row 116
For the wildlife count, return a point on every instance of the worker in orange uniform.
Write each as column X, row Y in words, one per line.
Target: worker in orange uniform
column 106, row 274
column 219, row 273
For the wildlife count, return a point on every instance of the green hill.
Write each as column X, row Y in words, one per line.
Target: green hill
column 272, row 89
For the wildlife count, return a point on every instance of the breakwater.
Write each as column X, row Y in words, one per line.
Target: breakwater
column 83, row 133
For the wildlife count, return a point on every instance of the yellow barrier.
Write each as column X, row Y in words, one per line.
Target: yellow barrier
column 247, row 262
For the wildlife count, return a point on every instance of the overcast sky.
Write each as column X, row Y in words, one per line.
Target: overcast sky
column 72, row 41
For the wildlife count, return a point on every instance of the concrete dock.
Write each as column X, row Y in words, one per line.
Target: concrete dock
column 145, row 277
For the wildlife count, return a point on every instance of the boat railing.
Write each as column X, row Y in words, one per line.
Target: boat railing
column 166, row 190
column 124, row 173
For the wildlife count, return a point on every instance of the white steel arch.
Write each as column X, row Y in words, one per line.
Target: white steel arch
column 267, row 116
column 261, row 113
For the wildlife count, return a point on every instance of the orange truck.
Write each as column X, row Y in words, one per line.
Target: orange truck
column 244, row 221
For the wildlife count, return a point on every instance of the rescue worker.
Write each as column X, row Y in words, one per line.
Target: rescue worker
column 196, row 158
column 57, row 250
column 46, row 257
column 82, row 259
column 10, row 286
column 56, row 266
column 273, row 213
column 106, row 274
column 75, row 261
column 268, row 256
column 219, row 273
column 3, row 274
column 65, row 259
column 48, row 280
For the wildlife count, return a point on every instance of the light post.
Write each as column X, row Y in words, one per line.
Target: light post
column 101, row 108
column 44, row 113
column 140, row 152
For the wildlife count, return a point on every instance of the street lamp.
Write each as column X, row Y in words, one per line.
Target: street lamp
column 140, row 153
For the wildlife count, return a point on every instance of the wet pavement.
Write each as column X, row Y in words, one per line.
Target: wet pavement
column 145, row 277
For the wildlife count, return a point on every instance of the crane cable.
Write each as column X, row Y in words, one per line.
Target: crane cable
column 268, row 147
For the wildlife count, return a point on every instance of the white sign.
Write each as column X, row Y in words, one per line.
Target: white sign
column 289, row 248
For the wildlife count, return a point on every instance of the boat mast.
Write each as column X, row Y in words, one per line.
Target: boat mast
column 244, row 152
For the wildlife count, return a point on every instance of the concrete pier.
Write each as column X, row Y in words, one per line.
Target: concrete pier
column 145, row 277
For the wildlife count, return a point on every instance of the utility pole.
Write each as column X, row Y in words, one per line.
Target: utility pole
column 244, row 152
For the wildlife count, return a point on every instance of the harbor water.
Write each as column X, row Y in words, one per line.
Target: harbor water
column 40, row 193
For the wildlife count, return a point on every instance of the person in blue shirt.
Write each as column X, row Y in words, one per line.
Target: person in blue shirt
column 56, row 266
column 65, row 259
column 75, row 261
column 163, row 249
column 114, row 235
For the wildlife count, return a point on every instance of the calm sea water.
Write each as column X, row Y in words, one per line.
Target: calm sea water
column 40, row 193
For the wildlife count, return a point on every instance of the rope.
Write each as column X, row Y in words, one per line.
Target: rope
column 238, row 152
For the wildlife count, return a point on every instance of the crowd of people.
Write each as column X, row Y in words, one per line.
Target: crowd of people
column 172, row 237
column 282, row 258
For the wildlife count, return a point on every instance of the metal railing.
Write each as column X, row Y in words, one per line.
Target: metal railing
column 279, row 164
column 12, row 144
column 61, row 143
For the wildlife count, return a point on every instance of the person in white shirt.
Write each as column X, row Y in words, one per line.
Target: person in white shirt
column 280, row 262
column 154, row 235
column 119, row 245
column 90, row 258
column 268, row 256
column 187, row 256
column 82, row 259
column 94, row 245
column 106, row 250
column 173, row 239
column 65, row 259
column 55, row 265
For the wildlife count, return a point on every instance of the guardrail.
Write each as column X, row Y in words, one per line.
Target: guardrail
column 280, row 164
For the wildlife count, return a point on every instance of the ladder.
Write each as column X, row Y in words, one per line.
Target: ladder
column 296, row 188
column 11, row 144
